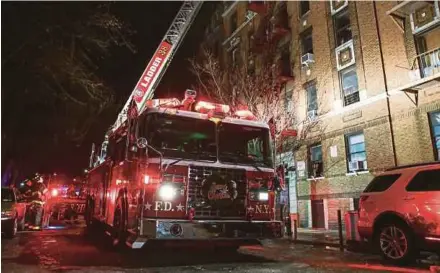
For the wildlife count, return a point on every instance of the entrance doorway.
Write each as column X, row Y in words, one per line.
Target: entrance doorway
column 318, row 220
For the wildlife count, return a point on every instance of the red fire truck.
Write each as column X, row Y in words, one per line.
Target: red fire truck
column 174, row 171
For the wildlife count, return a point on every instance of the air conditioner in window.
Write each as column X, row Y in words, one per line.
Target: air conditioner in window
column 425, row 17
column 345, row 55
column 338, row 5
column 307, row 59
column 312, row 114
column 357, row 165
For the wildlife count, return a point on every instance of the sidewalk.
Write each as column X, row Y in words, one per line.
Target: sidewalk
column 319, row 236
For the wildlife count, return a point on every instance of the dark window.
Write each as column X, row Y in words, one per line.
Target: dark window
column 304, row 7
column 285, row 65
column 181, row 137
column 312, row 100
column 356, row 154
column 120, row 149
column 8, row 195
column 342, row 28
column 233, row 22
column 316, row 165
column 425, row 181
column 381, row 183
column 349, row 84
column 434, row 118
column 307, row 42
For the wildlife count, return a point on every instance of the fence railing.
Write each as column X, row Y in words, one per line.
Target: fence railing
column 428, row 63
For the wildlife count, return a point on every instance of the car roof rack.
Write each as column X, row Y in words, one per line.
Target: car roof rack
column 413, row 165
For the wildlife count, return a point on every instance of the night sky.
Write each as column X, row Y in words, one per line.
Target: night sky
column 121, row 71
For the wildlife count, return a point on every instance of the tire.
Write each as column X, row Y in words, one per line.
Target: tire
column 12, row 229
column 395, row 243
column 119, row 224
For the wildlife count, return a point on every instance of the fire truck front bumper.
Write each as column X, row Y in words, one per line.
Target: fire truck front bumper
column 221, row 232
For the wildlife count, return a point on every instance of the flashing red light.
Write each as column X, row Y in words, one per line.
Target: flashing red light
column 146, row 179
column 54, row 192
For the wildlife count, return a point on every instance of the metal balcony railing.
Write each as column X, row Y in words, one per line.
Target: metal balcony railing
column 428, row 63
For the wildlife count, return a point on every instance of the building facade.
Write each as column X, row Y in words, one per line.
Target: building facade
column 366, row 73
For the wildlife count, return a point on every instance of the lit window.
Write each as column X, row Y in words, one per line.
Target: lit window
column 356, row 153
column 315, row 161
column 349, row 83
column 312, row 100
column 435, row 128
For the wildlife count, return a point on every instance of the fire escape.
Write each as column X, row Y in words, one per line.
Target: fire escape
column 265, row 39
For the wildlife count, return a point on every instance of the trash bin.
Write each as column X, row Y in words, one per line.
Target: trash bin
column 353, row 239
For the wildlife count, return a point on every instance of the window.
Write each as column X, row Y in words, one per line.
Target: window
column 434, row 119
column 288, row 102
column 356, row 154
column 342, row 28
column 304, row 7
column 425, row 181
column 233, row 22
column 249, row 146
column 235, row 55
column 312, row 101
column 315, row 161
column 349, row 84
column 307, row 42
column 119, row 152
column 381, row 183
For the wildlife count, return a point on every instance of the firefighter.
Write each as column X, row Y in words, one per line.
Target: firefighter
column 36, row 194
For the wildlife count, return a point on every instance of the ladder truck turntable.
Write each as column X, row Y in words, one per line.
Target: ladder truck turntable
column 173, row 170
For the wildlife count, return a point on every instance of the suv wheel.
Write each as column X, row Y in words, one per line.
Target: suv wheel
column 395, row 242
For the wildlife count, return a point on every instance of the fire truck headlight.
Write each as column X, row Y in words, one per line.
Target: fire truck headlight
column 167, row 192
column 54, row 192
column 263, row 196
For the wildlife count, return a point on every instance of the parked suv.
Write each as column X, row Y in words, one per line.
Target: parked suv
column 13, row 212
column 399, row 211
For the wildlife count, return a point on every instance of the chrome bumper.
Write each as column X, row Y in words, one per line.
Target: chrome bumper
column 210, row 230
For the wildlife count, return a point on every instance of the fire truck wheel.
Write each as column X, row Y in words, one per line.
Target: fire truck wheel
column 119, row 223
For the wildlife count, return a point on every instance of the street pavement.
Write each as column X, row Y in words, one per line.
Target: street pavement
column 70, row 250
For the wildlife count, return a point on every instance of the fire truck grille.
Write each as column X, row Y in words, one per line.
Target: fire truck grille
column 234, row 211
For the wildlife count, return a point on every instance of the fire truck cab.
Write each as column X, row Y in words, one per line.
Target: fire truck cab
column 184, row 171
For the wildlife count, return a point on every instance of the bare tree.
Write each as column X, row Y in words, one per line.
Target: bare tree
column 259, row 91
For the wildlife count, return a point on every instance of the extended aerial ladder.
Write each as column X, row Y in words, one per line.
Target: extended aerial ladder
column 158, row 64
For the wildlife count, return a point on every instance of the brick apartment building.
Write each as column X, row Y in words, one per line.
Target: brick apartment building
column 368, row 72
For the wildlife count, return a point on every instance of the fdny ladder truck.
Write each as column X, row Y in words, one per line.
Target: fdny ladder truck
column 174, row 171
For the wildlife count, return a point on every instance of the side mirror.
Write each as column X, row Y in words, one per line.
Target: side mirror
column 142, row 143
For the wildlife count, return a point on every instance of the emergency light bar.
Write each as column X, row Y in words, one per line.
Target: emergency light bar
column 163, row 103
column 205, row 107
column 245, row 114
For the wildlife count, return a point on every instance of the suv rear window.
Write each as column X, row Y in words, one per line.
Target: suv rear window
column 381, row 183
column 425, row 181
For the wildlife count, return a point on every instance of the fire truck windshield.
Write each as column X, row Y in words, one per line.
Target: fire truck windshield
column 244, row 144
column 181, row 137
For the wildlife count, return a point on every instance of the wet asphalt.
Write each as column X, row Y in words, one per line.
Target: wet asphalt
column 71, row 250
